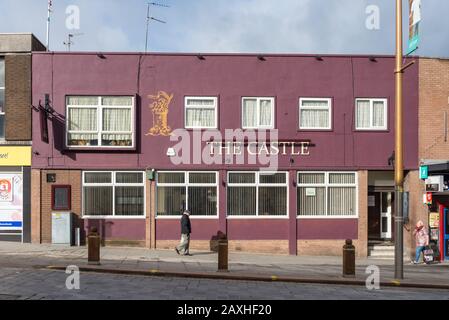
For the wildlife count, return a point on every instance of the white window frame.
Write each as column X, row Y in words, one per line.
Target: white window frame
column 329, row 108
column 259, row 99
column 371, row 111
column 257, row 184
column 99, row 132
column 328, row 185
column 114, row 184
column 214, row 107
column 187, row 184
column 4, row 89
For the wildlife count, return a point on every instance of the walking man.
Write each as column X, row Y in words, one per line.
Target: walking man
column 186, row 230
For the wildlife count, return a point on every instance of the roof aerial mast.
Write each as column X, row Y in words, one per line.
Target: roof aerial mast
column 149, row 18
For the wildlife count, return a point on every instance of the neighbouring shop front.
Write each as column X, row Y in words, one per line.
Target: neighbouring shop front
column 15, row 215
column 436, row 197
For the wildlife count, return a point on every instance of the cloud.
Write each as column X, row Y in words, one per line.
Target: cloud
column 287, row 26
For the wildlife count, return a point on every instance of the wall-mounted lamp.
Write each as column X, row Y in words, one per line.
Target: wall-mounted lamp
column 171, row 152
column 319, row 58
column 372, row 59
column 261, row 58
column 391, row 159
column 151, row 174
column 101, row 56
column 201, row 57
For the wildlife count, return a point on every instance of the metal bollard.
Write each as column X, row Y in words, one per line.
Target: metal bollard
column 93, row 247
column 223, row 255
column 348, row 259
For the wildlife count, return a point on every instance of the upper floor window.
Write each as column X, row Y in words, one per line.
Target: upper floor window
column 257, row 113
column 201, row 112
column 2, row 98
column 371, row 114
column 94, row 121
column 315, row 113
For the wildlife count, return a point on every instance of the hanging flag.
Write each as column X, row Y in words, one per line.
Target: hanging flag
column 414, row 22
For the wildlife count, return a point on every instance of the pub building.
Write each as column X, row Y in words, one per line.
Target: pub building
column 287, row 154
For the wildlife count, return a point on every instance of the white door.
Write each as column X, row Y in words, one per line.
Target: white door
column 385, row 214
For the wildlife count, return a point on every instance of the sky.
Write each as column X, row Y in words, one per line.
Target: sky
column 229, row 26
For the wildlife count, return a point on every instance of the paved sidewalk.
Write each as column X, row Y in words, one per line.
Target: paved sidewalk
column 204, row 264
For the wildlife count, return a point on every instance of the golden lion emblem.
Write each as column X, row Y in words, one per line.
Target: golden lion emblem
column 160, row 108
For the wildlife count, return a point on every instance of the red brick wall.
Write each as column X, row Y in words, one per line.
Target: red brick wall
column 433, row 103
column 41, row 190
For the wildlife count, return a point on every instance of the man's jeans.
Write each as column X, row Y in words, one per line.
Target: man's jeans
column 419, row 249
column 183, row 246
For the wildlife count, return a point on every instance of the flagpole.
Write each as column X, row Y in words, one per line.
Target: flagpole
column 48, row 25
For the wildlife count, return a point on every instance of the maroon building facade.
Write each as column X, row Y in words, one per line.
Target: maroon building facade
column 127, row 141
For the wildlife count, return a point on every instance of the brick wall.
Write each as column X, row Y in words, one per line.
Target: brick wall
column 433, row 103
column 36, row 206
column 63, row 177
column 18, row 97
column 417, row 210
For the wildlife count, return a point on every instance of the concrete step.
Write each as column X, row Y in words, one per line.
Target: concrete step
column 381, row 248
column 382, row 252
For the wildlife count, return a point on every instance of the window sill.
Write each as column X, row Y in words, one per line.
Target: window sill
column 326, row 217
column 98, row 148
column 113, row 217
column 371, row 130
column 258, row 217
column 191, row 217
column 315, row 130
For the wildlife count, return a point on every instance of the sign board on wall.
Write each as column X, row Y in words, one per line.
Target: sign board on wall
column 11, row 201
column 434, row 220
column 15, row 156
column 423, row 172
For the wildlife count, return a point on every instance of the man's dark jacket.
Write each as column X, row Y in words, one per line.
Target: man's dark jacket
column 186, row 228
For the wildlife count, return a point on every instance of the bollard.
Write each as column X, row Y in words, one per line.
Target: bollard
column 348, row 259
column 93, row 247
column 223, row 254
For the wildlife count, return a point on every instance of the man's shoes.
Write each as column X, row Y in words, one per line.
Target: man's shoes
column 177, row 251
column 188, row 254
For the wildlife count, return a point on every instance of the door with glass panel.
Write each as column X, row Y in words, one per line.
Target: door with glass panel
column 386, row 200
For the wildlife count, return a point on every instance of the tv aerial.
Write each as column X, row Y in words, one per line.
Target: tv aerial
column 69, row 41
column 150, row 18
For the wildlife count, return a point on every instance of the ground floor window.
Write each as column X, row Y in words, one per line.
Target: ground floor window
column 257, row 194
column 195, row 191
column 332, row 194
column 109, row 193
